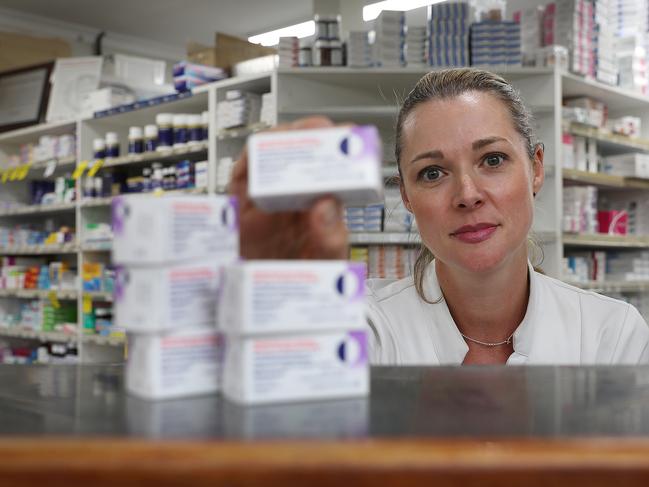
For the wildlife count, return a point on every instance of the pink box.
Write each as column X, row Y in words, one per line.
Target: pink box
column 618, row 219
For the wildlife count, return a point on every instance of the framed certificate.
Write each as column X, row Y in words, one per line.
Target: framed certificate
column 24, row 93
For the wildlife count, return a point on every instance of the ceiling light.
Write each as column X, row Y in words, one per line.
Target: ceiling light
column 372, row 11
column 271, row 38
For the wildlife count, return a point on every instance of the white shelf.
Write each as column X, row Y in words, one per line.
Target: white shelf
column 98, row 296
column 610, row 141
column 104, row 246
column 60, row 162
column 39, row 209
column 38, row 294
column 510, row 73
column 354, row 112
column 384, row 238
column 32, row 133
column 68, row 248
column 104, row 340
column 107, row 200
column 602, row 180
column 613, row 287
column 43, row 336
column 616, row 98
column 605, row 241
column 239, row 133
column 157, row 156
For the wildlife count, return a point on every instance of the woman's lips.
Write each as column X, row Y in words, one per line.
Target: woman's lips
column 475, row 233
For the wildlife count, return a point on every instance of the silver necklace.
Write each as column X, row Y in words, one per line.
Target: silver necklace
column 488, row 344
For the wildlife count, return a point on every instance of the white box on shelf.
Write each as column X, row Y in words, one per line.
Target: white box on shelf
column 292, row 295
column 178, row 364
column 300, row 367
column 288, row 170
column 154, row 299
column 160, row 230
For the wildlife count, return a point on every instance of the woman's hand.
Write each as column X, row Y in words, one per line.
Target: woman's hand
column 317, row 233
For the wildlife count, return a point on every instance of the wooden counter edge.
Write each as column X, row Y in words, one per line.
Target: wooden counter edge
column 72, row 461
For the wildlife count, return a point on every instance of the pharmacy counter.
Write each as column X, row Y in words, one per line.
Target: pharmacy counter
column 473, row 425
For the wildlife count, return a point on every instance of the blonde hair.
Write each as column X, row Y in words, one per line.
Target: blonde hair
column 451, row 83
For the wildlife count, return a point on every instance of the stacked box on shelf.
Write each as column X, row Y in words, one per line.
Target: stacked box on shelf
column 585, row 266
column 359, row 50
column 635, row 205
column 364, row 219
column 605, row 57
column 289, row 50
column 416, row 43
column 632, row 62
column 390, row 38
column 531, row 30
column 190, row 75
column 448, row 34
column 627, row 266
column 170, row 252
column 268, row 109
column 495, row 44
column 571, row 23
column 627, row 165
column 390, row 261
column 239, row 109
column 580, row 209
column 397, row 217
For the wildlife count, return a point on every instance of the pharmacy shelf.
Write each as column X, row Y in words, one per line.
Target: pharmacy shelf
column 39, row 209
column 613, row 287
column 608, row 141
column 356, row 112
column 38, row 294
column 617, row 99
column 240, row 133
column 98, row 296
column 43, row 336
column 605, row 241
column 349, row 72
column 32, row 133
column 68, row 248
column 602, row 180
column 168, row 155
column 103, row 246
column 107, row 200
column 384, row 238
column 116, row 341
column 60, row 162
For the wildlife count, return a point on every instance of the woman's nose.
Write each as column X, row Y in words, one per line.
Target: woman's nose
column 469, row 194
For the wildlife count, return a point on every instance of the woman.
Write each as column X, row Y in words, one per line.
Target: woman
column 470, row 168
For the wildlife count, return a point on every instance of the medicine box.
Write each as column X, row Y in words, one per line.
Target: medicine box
column 159, row 230
column 153, row 299
column 288, row 170
column 177, row 364
column 286, row 296
column 299, row 367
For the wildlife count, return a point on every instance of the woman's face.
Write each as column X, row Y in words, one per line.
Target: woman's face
column 469, row 181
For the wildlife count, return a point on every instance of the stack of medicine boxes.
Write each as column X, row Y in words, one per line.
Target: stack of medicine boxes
column 296, row 330
column 169, row 253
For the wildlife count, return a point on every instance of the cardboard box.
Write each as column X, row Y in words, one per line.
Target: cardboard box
column 18, row 50
column 226, row 52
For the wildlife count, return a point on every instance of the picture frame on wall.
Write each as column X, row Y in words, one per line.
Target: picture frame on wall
column 24, row 94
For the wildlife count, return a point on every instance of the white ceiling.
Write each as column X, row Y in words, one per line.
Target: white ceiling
column 171, row 21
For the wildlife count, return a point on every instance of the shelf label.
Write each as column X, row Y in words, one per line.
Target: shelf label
column 13, row 172
column 5, row 175
column 54, row 299
column 81, row 167
column 23, row 171
column 95, row 167
column 50, row 167
column 87, row 304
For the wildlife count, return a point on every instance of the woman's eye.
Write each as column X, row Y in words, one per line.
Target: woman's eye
column 430, row 174
column 494, row 160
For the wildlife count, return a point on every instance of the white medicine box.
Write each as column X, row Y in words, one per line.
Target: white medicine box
column 289, row 170
column 298, row 367
column 260, row 297
column 157, row 230
column 154, row 299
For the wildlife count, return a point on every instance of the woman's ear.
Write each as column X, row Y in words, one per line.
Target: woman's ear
column 538, row 172
column 404, row 197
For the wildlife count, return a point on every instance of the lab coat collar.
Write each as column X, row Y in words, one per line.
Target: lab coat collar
column 534, row 340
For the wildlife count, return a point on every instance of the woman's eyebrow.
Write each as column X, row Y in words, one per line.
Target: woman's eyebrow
column 431, row 154
column 480, row 143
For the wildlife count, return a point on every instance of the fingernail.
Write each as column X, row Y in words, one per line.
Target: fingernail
column 330, row 214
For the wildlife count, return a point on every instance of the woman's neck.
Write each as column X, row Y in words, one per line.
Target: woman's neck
column 490, row 306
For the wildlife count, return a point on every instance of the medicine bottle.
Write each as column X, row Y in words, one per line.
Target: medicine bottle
column 180, row 131
column 112, row 144
column 98, row 149
column 135, row 141
column 150, row 138
column 205, row 122
column 164, row 121
column 194, row 129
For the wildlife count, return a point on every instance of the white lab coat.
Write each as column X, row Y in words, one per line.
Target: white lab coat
column 563, row 325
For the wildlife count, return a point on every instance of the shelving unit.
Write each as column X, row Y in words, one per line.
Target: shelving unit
column 344, row 94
